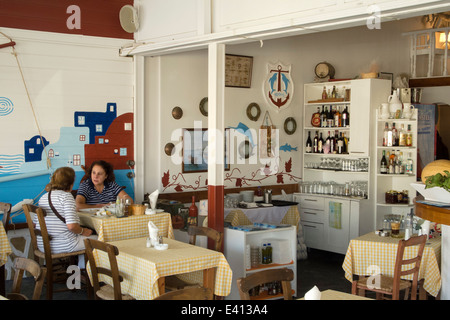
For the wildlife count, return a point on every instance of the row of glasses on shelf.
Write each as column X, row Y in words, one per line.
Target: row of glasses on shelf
column 334, row 163
column 349, row 189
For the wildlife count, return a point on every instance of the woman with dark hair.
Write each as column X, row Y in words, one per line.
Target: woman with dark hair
column 100, row 188
column 63, row 223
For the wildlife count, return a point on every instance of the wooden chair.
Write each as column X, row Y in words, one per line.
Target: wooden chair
column 284, row 275
column 197, row 293
column 105, row 292
column 393, row 285
column 20, row 266
column 174, row 282
column 52, row 261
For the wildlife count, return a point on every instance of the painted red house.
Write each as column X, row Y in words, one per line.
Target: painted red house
column 116, row 146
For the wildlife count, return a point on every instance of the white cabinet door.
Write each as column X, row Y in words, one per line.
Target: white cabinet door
column 337, row 225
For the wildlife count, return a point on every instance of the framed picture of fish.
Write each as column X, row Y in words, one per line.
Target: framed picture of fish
column 238, row 71
column 195, row 150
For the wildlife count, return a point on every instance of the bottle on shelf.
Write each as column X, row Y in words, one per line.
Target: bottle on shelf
column 391, row 166
column 383, row 164
column 386, row 135
column 327, row 145
column 193, row 214
column 316, row 142
column 335, row 141
column 330, row 120
column 394, row 135
column 397, row 163
column 320, row 144
column 333, row 93
column 345, row 117
column 345, row 142
column 340, row 144
column 402, row 136
column 337, row 118
column 409, row 137
column 324, row 93
column 409, row 164
column 308, row 148
column 316, row 118
column 323, row 117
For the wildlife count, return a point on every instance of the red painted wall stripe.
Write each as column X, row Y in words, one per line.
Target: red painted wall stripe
column 98, row 18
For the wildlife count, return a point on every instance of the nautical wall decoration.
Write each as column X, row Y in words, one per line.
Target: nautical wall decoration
column 278, row 87
column 6, row 106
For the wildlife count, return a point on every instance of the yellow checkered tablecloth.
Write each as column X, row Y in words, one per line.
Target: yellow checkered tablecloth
column 5, row 247
column 113, row 229
column 373, row 250
column 141, row 267
column 237, row 217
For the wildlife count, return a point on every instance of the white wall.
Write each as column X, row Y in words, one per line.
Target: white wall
column 184, row 83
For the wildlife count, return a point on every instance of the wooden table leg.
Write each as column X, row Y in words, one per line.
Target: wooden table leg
column 162, row 285
column 209, row 277
column 2, row 281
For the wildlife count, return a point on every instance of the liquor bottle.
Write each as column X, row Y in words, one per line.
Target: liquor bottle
column 402, row 163
column 389, row 142
column 397, row 162
column 323, row 118
column 315, row 119
column 391, row 167
column 330, row 120
column 345, row 142
column 383, row 164
column 337, row 118
column 385, row 134
column 327, row 146
column 340, row 144
column 324, row 94
column 345, row 118
column 316, row 142
column 409, row 164
column 333, row 93
column 308, row 148
column 394, row 135
column 335, row 141
column 409, row 137
column 320, row 144
column 402, row 137
column 193, row 214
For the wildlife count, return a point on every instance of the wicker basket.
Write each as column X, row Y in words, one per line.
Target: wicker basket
column 136, row 210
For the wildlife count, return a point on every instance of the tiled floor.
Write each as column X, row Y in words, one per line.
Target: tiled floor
column 322, row 269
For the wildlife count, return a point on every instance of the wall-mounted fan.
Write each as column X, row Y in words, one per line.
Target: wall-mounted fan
column 129, row 18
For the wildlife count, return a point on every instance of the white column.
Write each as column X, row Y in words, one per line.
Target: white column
column 216, row 106
column 445, row 263
column 139, row 125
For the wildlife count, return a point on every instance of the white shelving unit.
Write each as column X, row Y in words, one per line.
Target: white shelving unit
column 398, row 182
column 366, row 96
column 235, row 251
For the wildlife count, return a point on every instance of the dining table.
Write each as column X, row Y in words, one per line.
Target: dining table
column 5, row 251
column 374, row 252
column 111, row 228
column 144, row 268
column 338, row 295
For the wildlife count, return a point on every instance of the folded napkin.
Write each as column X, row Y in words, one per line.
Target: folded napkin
column 153, row 198
column 313, row 294
column 153, row 232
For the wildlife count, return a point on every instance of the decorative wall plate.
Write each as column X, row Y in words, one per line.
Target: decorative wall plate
column 252, row 106
column 177, row 113
column 204, row 106
column 290, row 125
column 168, row 149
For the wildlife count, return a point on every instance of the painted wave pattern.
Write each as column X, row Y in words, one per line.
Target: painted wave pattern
column 10, row 164
column 6, row 106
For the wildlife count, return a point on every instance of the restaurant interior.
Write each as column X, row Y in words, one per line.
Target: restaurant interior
column 259, row 153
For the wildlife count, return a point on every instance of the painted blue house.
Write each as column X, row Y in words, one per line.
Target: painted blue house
column 33, row 148
column 97, row 122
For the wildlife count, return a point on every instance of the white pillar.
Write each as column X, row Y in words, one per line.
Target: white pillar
column 445, row 262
